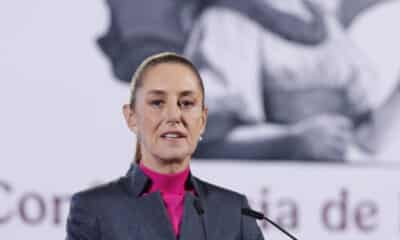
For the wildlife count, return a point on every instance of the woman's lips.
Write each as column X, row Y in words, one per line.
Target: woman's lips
column 173, row 135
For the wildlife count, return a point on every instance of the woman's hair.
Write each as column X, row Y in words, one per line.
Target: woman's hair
column 146, row 65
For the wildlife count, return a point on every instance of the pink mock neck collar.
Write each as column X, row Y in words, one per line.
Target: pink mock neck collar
column 166, row 183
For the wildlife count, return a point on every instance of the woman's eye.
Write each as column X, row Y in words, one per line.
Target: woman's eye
column 156, row 103
column 186, row 103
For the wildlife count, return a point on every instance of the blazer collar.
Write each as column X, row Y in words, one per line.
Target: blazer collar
column 193, row 227
column 138, row 182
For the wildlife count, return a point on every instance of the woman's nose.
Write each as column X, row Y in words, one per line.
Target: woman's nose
column 173, row 113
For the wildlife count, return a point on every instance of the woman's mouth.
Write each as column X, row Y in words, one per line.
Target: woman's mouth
column 173, row 135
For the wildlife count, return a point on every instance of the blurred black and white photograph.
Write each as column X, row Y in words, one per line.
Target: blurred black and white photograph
column 285, row 80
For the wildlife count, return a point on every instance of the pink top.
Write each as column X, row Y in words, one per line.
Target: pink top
column 172, row 189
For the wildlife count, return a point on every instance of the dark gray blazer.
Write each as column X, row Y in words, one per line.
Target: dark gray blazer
column 119, row 211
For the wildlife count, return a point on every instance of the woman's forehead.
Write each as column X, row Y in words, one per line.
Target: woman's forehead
column 167, row 77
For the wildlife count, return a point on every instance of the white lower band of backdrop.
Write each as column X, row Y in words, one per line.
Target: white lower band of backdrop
column 311, row 201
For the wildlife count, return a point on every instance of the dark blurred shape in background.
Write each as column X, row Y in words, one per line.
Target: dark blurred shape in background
column 141, row 28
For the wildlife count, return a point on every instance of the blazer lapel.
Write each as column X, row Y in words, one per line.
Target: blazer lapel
column 193, row 225
column 154, row 222
column 149, row 208
column 210, row 207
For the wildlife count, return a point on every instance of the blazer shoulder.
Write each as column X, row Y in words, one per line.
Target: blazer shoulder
column 215, row 191
column 88, row 206
column 100, row 192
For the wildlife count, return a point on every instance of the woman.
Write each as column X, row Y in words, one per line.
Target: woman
column 159, row 198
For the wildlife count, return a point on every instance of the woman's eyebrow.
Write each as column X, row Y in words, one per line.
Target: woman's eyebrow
column 156, row 92
column 159, row 92
column 187, row 93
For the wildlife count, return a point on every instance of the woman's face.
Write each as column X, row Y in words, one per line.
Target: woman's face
column 168, row 116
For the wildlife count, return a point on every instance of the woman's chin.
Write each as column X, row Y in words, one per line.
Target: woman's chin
column 174, row 155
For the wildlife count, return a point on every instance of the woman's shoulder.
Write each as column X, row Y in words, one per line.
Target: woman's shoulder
column 100, row 192
column 212, row 190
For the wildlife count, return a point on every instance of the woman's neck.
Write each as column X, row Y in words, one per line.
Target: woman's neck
column 166, row 183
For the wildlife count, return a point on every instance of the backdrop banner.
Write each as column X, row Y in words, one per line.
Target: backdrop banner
column 303, row 97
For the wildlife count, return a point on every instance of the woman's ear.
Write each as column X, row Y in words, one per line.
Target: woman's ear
column 130, row 117
column 204, row 115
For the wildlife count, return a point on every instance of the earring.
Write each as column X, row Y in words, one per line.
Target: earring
column 200, row 138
